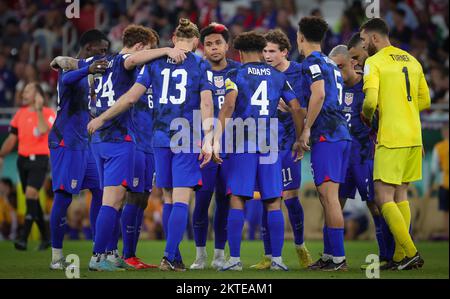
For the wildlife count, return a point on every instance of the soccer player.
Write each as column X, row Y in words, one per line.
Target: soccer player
column 275, row 54
column 113, row 144
column 215, row 41
column 253, row 92
column 357, row 52
column 73, row 167
column 394, row 82
column 326, row 135
column 178, row 90
column 360, row 171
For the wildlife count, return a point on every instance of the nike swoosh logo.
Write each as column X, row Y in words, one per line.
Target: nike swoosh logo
column 285, row 185
column 315, row 76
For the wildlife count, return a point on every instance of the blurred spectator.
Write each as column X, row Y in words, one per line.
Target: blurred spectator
column 212, row 12
column 291, row 32
column 410, row 17
column 356, row 221
column 153, row 220
column 86, row 20
column 187, row 9
column 7, row 83
column 440, row 168
column 115, row 35
column 400, row 30
column 439, row 85
column 267, row 16
column 9, row 223
column 12, row 37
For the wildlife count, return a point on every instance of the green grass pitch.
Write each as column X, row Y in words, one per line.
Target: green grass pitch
column 34, row 264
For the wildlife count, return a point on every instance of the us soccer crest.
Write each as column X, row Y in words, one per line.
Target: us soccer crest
column 135, row 182
column 74, row 184
column 218, row 81
column 348, row 98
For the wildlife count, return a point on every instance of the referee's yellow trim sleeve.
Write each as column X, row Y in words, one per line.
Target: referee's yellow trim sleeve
column 370, row 102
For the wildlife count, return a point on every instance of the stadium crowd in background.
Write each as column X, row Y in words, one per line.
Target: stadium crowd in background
column 32, row 31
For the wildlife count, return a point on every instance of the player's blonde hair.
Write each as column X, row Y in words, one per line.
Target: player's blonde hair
column 186, row 29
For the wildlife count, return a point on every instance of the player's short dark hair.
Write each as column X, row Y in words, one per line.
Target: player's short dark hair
column 92, row 36
column 250, row 42
column 313, row 28
column 278, row 37
column 134, row 34
column 215, row 28
column 376, row 25
column 354, row 40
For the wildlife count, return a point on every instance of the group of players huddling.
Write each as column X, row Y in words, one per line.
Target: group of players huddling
column 115, row 131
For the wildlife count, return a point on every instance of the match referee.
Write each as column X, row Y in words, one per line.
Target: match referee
column 394, row 83
column 30, row 127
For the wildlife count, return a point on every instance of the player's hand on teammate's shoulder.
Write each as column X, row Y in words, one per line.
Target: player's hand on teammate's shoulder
column 304, row 139
column 98, row 66
column 178, row 55
column 94, row 125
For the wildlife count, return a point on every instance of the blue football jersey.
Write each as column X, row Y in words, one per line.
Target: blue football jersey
column 260, row 88
column 109, row 87
column 286, row 126
column 330, row 124
column 70, row 127
column 363, row 145
column 219, row 78
column 142, row 120
column 176, row 94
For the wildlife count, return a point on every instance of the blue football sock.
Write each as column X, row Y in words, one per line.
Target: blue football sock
column 275, row 221
column 379, row 235
column 389, row 241
column 139, row 219
column 200, row 217
column 295, row 212
column 336, row 238
column 96, row 203
column 253, row 216
column 167, row 210
column 128, row 220
column 58, row 217
column 265, row 233
column 326, row 241
column 112, row 244
column 220, row 221
column 176, row 228
column 106, row 220
column 234, row 231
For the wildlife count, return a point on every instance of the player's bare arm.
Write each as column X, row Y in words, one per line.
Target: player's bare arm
column 64, row 62
column 298, row 116
column 314, row 108
column 225, row 113
column 207, row 110
column 121, row 105
column 144, row 56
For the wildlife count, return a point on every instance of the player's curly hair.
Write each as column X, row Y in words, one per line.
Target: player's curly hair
column 250, row 42
column 156, row 35
column 134, row 34
column 313, row 28
column 278, row 37
column 215, row 28
column 186, row 29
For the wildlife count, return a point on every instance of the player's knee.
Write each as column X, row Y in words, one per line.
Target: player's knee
column 374, row 211
column 290, row 194
column 273, row 204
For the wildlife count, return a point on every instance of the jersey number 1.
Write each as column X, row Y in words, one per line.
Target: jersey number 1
column 408, row 84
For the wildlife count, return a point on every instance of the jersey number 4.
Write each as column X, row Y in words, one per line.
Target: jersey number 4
column 259, row 98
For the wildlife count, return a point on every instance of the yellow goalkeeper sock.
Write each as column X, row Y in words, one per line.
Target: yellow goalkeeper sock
column 397, row 225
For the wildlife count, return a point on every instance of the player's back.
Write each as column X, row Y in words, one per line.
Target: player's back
column 176, row 93
column 260, row 88
column 109, row 87
column 72, row 116
column 330, row 124
column 397, row 75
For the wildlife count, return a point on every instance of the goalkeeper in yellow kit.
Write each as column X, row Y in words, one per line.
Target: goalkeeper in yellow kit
column 395, row 84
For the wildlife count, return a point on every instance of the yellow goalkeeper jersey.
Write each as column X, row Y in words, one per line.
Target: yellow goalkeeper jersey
column 402, row 94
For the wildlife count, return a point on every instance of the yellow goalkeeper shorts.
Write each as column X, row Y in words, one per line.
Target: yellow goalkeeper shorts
column 398, row 165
